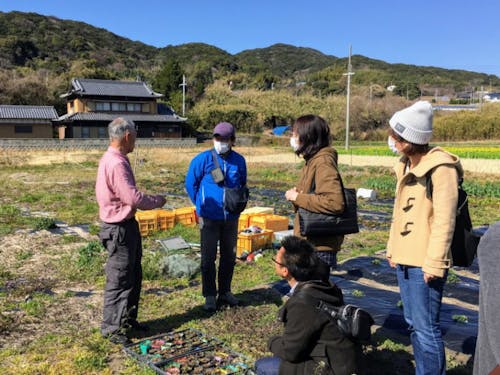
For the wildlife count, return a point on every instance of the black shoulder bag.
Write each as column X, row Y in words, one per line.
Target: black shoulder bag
column 353, row 322
column 235, row 199
column 321, row 224
column 464, row 243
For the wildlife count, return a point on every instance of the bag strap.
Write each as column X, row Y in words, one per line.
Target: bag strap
column 313, row 185
column 214, row 158
column 217, row 165
column 318, row 303
column 429, row 187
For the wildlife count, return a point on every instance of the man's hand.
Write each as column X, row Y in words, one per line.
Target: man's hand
column 161, row 200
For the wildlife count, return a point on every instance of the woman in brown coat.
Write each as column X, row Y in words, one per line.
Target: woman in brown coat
column 319, row 188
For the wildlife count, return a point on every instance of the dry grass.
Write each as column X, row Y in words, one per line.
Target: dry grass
column 253, row 155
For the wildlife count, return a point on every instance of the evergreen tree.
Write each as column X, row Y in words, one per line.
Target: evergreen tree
column 168, row 79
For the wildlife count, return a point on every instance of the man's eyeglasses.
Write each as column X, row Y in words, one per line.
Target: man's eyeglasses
column 278, row 263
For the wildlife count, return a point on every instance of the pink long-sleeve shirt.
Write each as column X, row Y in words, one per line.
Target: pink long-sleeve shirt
column 116, row 193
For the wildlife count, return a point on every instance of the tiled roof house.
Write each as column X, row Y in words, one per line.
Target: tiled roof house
column 27, row 121
column 93, row 103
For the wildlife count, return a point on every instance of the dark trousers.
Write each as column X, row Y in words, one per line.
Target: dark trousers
column 329, row 257
column 123, row 274
column 226, row 234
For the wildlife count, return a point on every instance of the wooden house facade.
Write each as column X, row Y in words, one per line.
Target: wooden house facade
column 92, row 104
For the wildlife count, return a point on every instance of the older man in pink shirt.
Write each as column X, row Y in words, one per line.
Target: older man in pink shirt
column 118, row 200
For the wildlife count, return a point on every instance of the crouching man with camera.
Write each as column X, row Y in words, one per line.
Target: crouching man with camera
column 312, row 342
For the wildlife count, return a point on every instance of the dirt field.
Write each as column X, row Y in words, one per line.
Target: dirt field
column 257, row 155
column 34, row 257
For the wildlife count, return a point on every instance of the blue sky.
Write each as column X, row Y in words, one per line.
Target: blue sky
column 444, row 33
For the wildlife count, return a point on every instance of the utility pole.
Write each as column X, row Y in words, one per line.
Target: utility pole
column 183, row 84
column 481, row 98
column 348, row 74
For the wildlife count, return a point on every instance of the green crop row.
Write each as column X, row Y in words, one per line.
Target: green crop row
column 466, row 151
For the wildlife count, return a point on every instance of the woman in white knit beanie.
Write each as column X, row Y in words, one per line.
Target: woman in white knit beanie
column 422, row 229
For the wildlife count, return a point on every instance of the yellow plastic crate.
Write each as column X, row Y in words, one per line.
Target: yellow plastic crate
column 185, row 216
column 258, row 210
column 244, row 221
column 166, row 219
column 273, row 222
column 148, row 221
column 253, row 241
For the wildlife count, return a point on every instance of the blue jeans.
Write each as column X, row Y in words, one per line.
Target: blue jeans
column 421, row 305
column 267, row 366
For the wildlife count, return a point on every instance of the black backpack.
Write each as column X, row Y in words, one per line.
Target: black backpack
column 465, row 242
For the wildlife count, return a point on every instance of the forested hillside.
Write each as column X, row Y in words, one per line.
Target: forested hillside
column 60, row 46
column 39, row 55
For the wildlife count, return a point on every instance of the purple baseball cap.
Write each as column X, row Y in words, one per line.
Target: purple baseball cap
column 224, row 130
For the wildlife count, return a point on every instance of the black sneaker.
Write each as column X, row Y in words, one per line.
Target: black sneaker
column 210, row 304
column 119, row 338
column 228, row 298
column 135, row 325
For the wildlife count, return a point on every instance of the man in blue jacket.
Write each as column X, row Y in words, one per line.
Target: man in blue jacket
column 205, row 182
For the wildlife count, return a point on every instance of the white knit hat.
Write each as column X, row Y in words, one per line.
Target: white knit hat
column 414, row 124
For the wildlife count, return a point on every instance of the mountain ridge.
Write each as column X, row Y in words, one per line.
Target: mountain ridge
column 30, row 42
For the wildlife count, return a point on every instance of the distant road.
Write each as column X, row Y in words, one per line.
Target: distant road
column 469, row 107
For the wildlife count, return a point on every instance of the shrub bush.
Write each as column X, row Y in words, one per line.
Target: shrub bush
column 251, row 111
column 40, row 223
column 468, row 125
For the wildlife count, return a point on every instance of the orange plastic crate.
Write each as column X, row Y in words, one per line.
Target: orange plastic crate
column 253, row 241
column 166, row 219
column 185, row 216
column 273, row 222
column 148, row 221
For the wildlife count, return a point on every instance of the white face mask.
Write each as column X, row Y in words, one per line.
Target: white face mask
column 392, row 144
column 221, row 147
column 294, row 143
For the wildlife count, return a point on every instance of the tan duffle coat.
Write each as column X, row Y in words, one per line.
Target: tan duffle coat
column 422, row 229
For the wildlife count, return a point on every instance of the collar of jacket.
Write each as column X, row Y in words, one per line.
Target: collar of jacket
column 325, row 151
column 435, row 157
